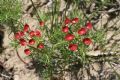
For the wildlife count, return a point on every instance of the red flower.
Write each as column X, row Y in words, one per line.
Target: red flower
column 41, row 23
column 87, row 41
column 67, row 21
column 31, row 41
column 27, row 51
column 69, row 37
column 75, row 20
column 89, row 25
column 32, row 33
column 37, row 33
column 23, row 42
column 40, row 46
column 21, row 33
column 26, row 28
column 65, row 29
column 73, row 47
column 82, row 31
column 17, row 35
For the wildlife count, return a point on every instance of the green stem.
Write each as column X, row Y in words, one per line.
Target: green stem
column 61, row 42
column 21, row 58
column 35, row 10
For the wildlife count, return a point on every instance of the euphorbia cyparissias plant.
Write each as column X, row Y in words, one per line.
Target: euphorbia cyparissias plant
column 32, row 39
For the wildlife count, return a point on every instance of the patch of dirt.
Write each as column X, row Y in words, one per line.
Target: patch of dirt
column 11, row 68
column 14, row 69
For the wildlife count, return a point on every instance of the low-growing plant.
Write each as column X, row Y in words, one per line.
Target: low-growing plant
column 54, row 49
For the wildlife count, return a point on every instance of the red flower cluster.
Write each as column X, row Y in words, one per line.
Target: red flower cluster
column 84, row 30
column 73, row 21
column 81, row 31
column 21, row 37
